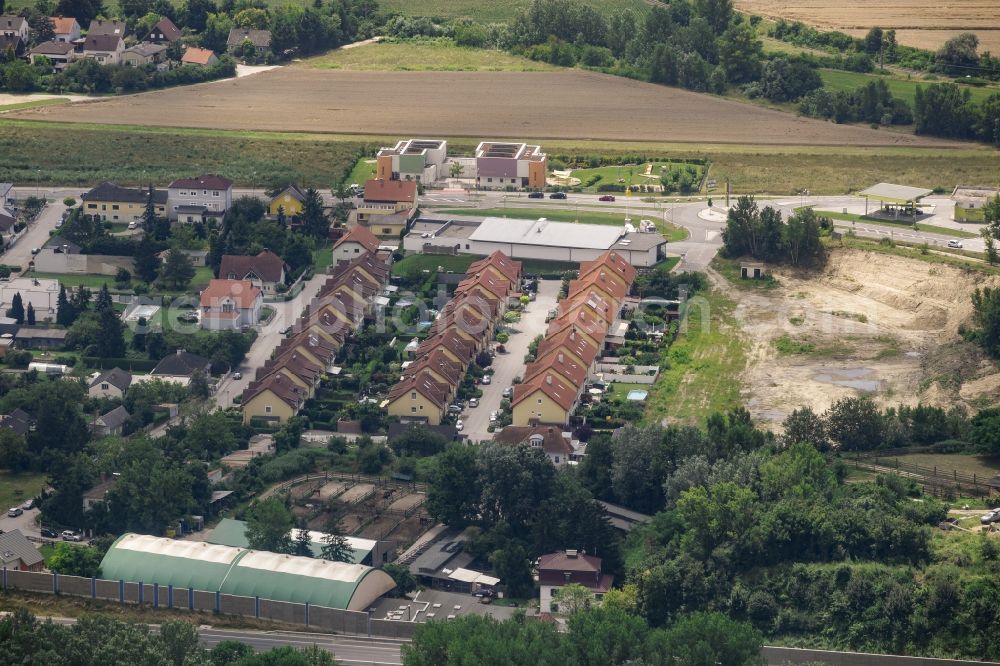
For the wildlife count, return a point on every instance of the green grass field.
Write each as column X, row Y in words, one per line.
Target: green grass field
column 835, row 79
column 84, row 154
column 451, row 264
column 423, row 55
column 705, row 363
column 984, row 467
column 32, row 103
column 16, row 488
column 364, row 170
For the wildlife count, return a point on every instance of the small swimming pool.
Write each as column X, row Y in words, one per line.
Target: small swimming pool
column 637, row 394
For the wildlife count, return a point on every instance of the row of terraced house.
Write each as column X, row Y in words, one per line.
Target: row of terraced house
column 463, row 329
column 285, row 382
column 566, row 357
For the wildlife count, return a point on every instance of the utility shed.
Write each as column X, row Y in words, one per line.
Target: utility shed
column 241, row 572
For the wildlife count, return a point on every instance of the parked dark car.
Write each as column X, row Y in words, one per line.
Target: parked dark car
column 607, row 197
column 48, row 534
column 557, row 195
column 536, row 195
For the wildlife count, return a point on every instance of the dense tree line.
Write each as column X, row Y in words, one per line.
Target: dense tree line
column 872, row 103
column 945, row 109
column 98, row 641
column 761, row 234
column 596, row 637
column 522, row 507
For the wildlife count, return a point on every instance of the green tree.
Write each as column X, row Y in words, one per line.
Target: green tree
column 315, row 223
column 855, row 424
column 741, row 53
column 302, row 545
column 268, row 526
column 573, row 598
column 30, row 318
column 804, row 425
column 84, row 11
column 478, row 639
column 606, row 636
column 452, row 493
column 716, row 12
column 16, row 311
column 513, row 568
column 405, row 581
column 959, row 54
column 418, row 442
column 335, row 547
column 65, row 312
column 147, row 263
column 706, row 639
column 177, row 271
column 73, row 560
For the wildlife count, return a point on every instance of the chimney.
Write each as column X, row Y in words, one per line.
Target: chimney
column 560, row 357
column 548, row 379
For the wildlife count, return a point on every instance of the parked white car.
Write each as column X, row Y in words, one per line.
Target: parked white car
column 955, row 244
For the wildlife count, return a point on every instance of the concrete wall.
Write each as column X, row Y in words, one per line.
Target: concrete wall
column 328, row 619
column 97, row 264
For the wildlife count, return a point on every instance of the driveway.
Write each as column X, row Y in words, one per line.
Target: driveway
column 25, row 522
column 36, row 236
column 510, row 365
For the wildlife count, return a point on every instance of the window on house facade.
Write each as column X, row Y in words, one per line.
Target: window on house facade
column 267, row 409
column 413, row 395
column 114, row 206
column 227, row 307
column 386, row 230
column 104, row 387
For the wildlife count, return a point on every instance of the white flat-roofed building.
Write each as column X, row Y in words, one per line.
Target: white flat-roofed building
column 535, row 239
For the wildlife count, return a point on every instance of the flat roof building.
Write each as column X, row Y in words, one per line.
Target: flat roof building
column 413, row 159
column 534, row 239
column 500, row 164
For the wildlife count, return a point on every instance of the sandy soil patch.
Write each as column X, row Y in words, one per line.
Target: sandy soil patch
column 565, row 104
column 921, row 23
column 356, row 493
column 867, row 324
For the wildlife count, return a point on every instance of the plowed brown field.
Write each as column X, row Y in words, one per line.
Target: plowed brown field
column 926, row 24
column 539, row 105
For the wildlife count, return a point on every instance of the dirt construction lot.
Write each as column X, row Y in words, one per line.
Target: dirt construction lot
column 869, row 323
column 564, row 104
column 925, row 24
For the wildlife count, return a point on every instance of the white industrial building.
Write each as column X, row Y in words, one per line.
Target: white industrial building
column 41, row 293
column 535, row 239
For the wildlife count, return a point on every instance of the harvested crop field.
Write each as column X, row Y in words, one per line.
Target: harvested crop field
column 869, row 323
column 564, row 104
column 924, row 24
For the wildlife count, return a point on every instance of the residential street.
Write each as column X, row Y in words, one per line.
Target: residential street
column 268, row 337
column 510, row 365
column 36, row 235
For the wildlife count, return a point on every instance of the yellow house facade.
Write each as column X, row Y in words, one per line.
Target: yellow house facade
column 290, row 201
column 540, row 408
column 268, row 406
column 113, row 203
column 414, row 404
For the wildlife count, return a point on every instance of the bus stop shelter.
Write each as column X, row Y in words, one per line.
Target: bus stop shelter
column 895, row 200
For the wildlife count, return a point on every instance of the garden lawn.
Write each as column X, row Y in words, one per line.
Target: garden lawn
column 702, row 368
column 929, row 228
column 836, row 79
column 430, row 262
column 16, row 488
column 363, row 171
column 627, row 174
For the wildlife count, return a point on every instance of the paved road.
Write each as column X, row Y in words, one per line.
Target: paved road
column 510, row 365
column 351, row 651
column 37, row 234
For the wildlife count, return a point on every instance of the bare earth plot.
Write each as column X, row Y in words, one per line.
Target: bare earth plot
column 869, row 323
column 539, row 105
column 922, row 23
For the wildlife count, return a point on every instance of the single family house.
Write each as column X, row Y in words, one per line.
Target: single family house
column 230, row 305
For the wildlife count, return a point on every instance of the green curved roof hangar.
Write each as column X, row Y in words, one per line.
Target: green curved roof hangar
column 238, row 571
